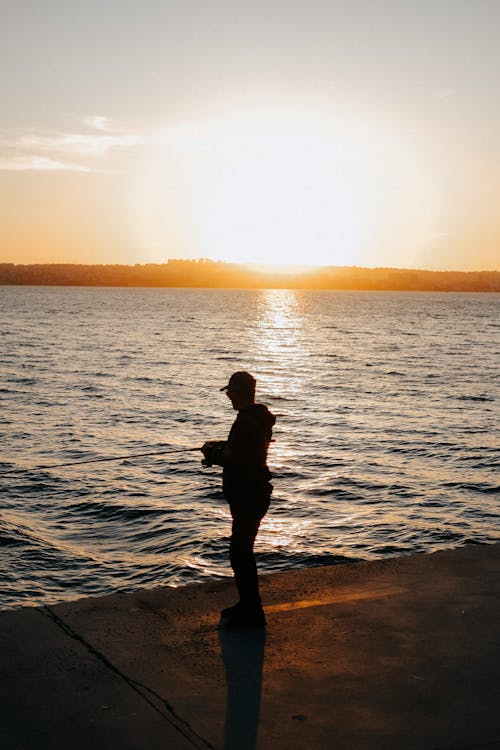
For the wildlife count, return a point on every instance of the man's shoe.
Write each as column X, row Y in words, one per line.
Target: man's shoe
column 244, row 619
column 231, row 611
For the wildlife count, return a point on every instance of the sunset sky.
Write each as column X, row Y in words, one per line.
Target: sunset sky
column 332, row 133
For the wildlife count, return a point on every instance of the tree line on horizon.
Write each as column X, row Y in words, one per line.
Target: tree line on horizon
column 219, row 274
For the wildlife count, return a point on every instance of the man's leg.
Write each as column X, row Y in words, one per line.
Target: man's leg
column 244, row 531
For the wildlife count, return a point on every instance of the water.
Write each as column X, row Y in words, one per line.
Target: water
column 386, row 435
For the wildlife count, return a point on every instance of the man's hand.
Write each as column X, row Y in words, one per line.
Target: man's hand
column 208, row 449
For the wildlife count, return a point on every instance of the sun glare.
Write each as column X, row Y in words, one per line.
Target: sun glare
column 283, row 188
column 283, row 198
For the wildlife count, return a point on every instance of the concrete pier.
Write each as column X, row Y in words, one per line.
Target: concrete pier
column 400, row 654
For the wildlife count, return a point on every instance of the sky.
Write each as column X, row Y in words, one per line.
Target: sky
column 319, row 132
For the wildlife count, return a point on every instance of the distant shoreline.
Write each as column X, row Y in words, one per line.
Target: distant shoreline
column 209, row 274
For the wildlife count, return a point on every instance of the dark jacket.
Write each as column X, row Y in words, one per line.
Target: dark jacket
column 243, row 455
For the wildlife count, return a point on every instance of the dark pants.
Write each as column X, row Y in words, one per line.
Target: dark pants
column 246, row 521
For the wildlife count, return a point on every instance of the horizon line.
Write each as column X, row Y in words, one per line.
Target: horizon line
column 271, row 269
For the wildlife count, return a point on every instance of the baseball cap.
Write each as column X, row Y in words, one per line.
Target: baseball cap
column 240, row 381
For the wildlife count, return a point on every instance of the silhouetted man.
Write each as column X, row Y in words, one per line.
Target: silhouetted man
column 246, row 487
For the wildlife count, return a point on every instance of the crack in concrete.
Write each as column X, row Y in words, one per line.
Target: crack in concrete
column 169, row 713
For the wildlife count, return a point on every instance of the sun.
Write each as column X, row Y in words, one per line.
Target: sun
column 283, row 197
column 284, row 188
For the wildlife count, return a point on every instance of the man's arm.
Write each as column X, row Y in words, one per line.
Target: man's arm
column 241, row 448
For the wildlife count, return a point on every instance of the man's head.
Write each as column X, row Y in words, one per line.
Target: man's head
column 241, row 389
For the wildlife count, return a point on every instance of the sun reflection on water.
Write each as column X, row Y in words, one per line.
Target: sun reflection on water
column 279, row 324
column 282, row 532
column 280, row 341
column 281, row 351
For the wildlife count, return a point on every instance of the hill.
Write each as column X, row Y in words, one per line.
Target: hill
column 216, row 274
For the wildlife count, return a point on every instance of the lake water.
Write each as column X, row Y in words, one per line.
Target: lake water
column 386, row 440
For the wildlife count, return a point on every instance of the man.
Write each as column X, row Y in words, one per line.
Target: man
column 246, row 487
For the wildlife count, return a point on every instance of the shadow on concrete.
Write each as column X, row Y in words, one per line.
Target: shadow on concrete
column 243, row 656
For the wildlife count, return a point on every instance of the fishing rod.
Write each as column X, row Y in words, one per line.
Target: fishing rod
column 98, row 460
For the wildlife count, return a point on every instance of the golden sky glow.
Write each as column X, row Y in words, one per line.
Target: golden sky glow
column 287, row 187
column 346, row 136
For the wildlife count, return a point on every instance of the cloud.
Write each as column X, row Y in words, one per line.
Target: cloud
column 35, row 151
column 98, row 122
column 98, row 137
column 84, row 144
column 38, row 163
